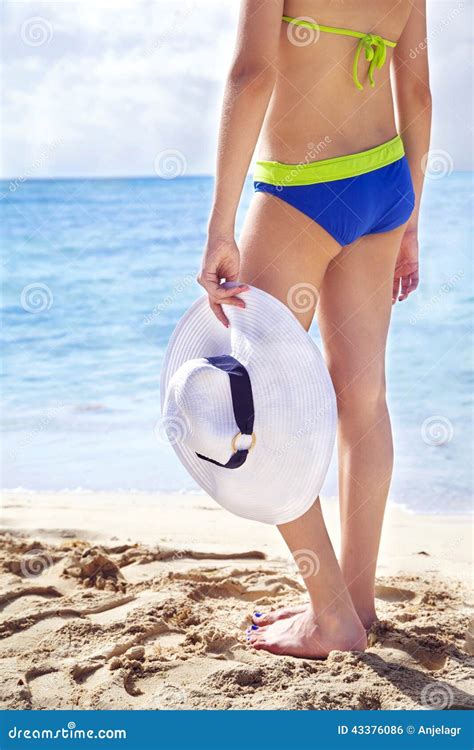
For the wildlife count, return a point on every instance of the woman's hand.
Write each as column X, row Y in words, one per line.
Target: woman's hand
column 406, row 269
column 221, row 260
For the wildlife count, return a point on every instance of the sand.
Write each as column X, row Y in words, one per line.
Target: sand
column 129, row 600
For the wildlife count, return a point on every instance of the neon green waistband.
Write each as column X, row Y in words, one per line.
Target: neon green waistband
column 374, row 46
column 328, row 170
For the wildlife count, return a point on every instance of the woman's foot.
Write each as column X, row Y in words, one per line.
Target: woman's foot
column 367, row 618
column 308, row 636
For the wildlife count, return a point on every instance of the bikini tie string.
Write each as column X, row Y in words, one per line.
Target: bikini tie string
column 375, row 53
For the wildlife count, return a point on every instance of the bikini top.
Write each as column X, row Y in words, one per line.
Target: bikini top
column 374, row 46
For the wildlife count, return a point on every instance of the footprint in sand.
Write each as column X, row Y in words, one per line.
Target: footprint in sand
column 431, row 656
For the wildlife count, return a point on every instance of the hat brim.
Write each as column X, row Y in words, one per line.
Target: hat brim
column 295, row 407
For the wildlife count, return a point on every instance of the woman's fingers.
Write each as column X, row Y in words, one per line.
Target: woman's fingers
column 395, row 289
column 216, row 307
column 404, row 284
column 405, row 287
column 415, row 279
column 235, row 302
column 219, row 313
column 223, row 293
column 220, row 295
column 211, row 283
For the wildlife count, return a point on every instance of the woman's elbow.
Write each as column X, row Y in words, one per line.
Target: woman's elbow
column 421, row 94
column 416, row 95
column 253, row 78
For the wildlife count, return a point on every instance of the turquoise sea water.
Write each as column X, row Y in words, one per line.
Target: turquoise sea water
column 96, row 274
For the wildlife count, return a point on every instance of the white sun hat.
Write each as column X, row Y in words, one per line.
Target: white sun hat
column 250, row 410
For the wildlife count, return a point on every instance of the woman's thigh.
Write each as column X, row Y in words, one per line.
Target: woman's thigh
column 354, row 313
column 285, row 253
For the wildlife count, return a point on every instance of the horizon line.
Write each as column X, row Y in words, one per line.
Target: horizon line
column 22, row 179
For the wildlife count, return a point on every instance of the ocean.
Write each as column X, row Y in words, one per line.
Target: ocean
column 96, row 273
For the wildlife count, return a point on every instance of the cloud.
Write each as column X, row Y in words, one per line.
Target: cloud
column 101, row 88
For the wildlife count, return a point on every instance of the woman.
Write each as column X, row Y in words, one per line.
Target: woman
column 344, row 233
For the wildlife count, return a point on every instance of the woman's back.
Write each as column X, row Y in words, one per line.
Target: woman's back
column 317, row 111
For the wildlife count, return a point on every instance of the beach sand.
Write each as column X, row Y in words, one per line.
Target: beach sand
column 134, row 600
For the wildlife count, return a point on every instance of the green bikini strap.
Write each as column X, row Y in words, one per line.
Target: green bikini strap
column 375, row 46
column 375, row 53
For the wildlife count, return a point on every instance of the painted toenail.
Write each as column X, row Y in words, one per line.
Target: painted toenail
column 258, row 614
column 254, row 627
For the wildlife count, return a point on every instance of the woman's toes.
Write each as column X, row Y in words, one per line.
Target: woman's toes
column 263, row 645
column 277, row 614
column 251, row 631
column 254, row 642
column 256, row 635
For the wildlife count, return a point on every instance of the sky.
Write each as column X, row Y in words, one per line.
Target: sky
column 115, row 88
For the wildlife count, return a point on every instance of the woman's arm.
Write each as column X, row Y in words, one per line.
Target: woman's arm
column 413, row 99
column 247, row 94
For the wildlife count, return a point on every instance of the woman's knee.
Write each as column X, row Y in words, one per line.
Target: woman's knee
column 360, row 391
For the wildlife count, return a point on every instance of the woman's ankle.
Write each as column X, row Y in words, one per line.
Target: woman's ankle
column 343, row 629
column 339, row 619
column 368, row 617
column 363, row 598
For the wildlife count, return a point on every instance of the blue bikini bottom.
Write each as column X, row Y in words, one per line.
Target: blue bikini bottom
column 350, row 206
